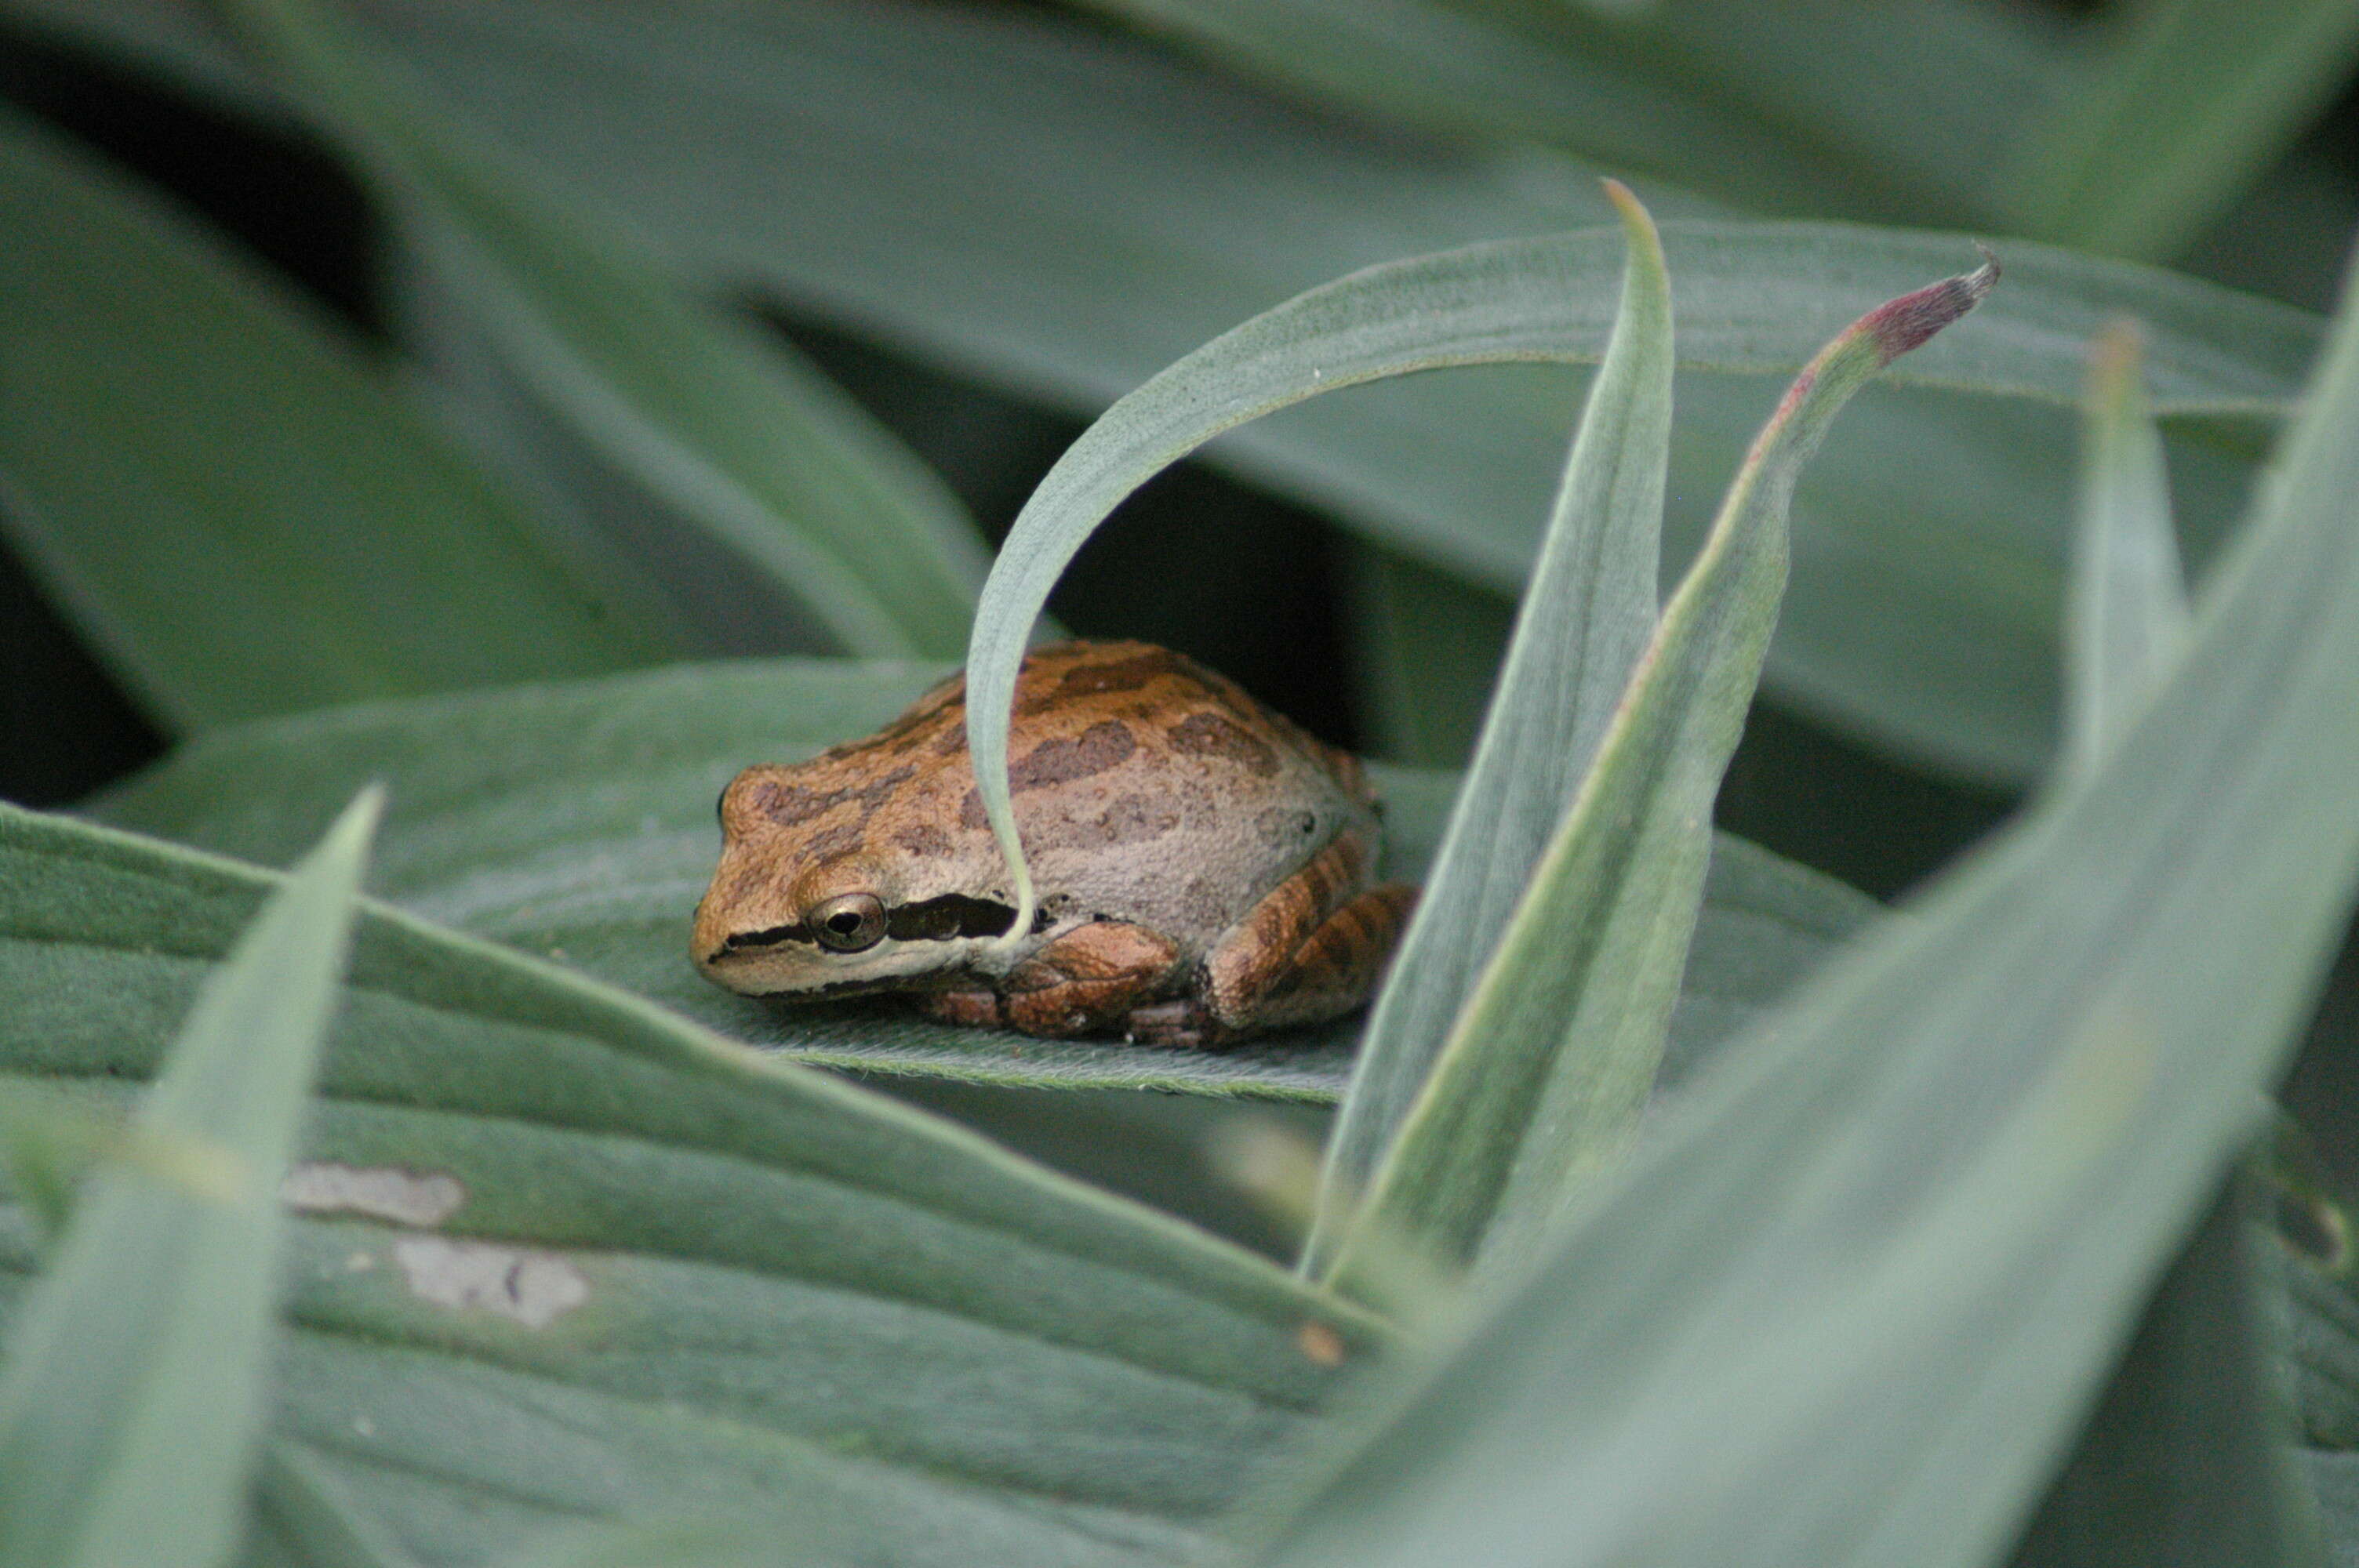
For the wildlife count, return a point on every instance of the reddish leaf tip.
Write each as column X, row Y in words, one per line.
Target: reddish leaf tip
column 1906, row 322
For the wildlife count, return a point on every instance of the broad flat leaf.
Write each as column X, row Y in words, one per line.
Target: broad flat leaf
column 564, row 1255
column 794, row 482
column 1587, row 616
column 1064, row 213
column 234, row 508
column 133, row 1392
column 1539, row 1077
column 1849, row 1304
column 2128, row 616
column 575, row 822
column 2195, row 98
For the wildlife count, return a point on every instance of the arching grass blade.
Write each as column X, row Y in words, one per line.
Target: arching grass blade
column 132, row 1395
column 1552, row 1058
column 1588, row 614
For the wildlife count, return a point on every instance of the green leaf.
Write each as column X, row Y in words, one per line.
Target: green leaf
column 1583, row 623
column 1849, row 1302
column 237, row 512
column 2128, row 616
column 2194, row 99
column 718, row 1545
column 563, row 1257
column 1461, row 72
column 313, row 1521
column 1716, row 94
column 1539, row 1079
column 1062, row 212
column 132, row 1392
column 2188, row 1457
column 753, row 446
column 575, row 822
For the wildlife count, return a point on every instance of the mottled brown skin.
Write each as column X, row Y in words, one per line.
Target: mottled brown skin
column 1204, row 867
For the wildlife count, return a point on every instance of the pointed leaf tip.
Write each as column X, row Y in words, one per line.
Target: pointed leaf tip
column 1636, row 222
column 1906, row 322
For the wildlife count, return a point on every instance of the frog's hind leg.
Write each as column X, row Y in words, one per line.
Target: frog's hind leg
column 1312, row 949
column 1085, row 982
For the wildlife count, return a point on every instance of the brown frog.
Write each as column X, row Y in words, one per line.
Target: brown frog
column 1204, row 867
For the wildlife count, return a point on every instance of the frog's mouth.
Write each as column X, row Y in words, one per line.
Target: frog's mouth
column 753, row 941
column 839, row 991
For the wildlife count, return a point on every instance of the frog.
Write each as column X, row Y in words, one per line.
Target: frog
column 1206, row 869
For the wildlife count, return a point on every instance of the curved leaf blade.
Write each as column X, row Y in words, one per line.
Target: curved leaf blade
column 1504, row 301
column 1543, row 1075
column 154, row 1321
column 755, row 447
column 244, row 517
column 575, row 823
column 1580, row 629
column 1870, row 1279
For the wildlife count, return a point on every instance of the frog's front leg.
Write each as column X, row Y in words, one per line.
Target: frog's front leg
column 1312, row 949
column 1085, row 982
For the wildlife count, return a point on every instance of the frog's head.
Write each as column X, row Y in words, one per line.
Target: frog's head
column 808, row 902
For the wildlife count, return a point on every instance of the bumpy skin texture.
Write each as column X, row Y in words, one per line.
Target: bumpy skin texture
column 1204, row 865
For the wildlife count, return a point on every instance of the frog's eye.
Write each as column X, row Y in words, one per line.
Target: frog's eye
column 849, row 922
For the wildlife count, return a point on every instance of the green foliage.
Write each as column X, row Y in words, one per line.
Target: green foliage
column 246, row 515
column 1547, row 1058
column 1848, row 1305
column 564, row 1253
column 780, row 469
column 1584, row 624
column 2198, row 97
column 1680, row 1204
column 151, row 1323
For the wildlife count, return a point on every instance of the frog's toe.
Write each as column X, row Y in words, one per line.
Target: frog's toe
column 1183, row 1024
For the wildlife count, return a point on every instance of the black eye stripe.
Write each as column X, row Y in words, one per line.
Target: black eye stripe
column 770, row 938
column 951, row 914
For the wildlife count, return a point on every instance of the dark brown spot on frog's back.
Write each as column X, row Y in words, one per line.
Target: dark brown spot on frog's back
column 1208, row 734
column 1106, row 744
column 1103, row 746
column 789, row 804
